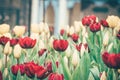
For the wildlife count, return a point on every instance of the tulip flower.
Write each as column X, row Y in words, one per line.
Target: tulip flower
column 56, row 76
column 32, row 69
column 104, row 23
column 27, row 42
column 35, row 28
column 113, row 21
column 4, row 28
column 71, row 30
column 68, row 51
column 8, row 35
column 103, row 76
column 5, row 73
column 75, row 58
column 75, row 37
column 78, row 47
column 60, row 45
column 16, row 68
column 111, row 60
column 106, row 39
column 13, row 41
column 17, row 51
column 19, row 30
column 77, row 26
column 7, row 48
column 41, row 52
column 4, row 40
column 62, row 32
column 95, row 27
column 87, row 20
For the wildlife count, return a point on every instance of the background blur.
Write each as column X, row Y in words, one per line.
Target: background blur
column 56, row 13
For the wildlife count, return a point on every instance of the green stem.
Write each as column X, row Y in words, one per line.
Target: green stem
column 5, row 61
column 116, row 74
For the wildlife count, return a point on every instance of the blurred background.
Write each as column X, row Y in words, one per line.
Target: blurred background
column 56, row 13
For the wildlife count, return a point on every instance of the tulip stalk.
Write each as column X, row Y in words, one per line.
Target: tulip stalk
column 6, row 61
column 116, row 74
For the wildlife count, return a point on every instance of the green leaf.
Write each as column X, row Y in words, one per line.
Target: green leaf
column 76, row 73
column 18, row 76
column 42, row 59
column 66, row 70
column 84, row 67
column 95, row 73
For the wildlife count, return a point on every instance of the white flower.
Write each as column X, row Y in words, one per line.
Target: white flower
column 35, row 28
column 17, row 51
column 4, row 28
column 41, row 44
column 46, row 28
column 106, row 39
column 71, row 30
column 82, row 50
column 66, row 60
column 19, row 30
column 41, row 27
column 77, row 26
column 110, row 47
column 113, row 21
column 5, row 73
column 1, row 63
column 68, row 51
column 35, row 36
column 7, row 35
column 7, row 48
column 75, row 58
column 103, row 76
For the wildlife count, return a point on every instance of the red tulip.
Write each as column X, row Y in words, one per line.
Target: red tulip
column 17, row 67
column 49, row 66
column 56, row 76
column 60, row 45
column 95, row 27
column 4, row 40
column 62, row 32
column 104, row 23
column 75, row 37
column 1, row 78
column 118, row 34
column 13, row 42
column 41, row 52
column 27, row 42
column 32, row 69
column 87, row 20
column 111, row 60
column 78, row 47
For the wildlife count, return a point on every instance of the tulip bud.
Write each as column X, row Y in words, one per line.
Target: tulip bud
column 51, row 42
column 82, row 50
column 68, row 52
column 7, row 35
column 34, row 36
column 77, row 26
column 75, row 58
column 4, row 28
column 41, row 27
column 103, row 76
column 41, row 45
column 110, row 47
column 71, row 30
column 17, row 51
column 66, row 60
column 7, row 48
column 1, row 64
column 10, row 50
column 119, row 71
column 5, row 73
column 46, row 28
column 106, row 39
column 19, row 30
column 35, row 28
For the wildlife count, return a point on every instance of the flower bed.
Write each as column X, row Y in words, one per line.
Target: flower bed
column 89, row 50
